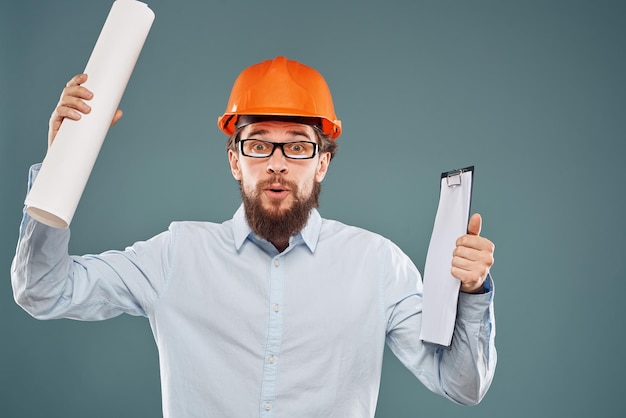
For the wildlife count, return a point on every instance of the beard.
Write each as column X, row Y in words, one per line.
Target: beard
column 275, row 224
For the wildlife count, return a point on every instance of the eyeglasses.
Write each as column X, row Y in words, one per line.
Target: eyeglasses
column 298, row 150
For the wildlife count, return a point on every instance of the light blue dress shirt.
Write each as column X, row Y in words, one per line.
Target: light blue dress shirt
column 245, row 331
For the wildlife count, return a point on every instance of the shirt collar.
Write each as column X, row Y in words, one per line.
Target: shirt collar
column 309, row 234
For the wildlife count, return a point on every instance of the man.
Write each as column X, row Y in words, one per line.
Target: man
column 276, row 312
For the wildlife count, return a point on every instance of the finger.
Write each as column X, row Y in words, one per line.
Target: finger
column 59, row 114
column 462, row 263
column 74, row 102
column 475, row 242
column 472, row 275
column 467, row 258
column 118, row 115
column 475, row 224
column 78, row 79
column 466, row 253
column 71, row 103
column 73, row 98
column 471, row 281
column 76, row 91
column 68, row 112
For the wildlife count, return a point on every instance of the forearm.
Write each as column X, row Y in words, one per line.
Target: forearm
column 40, row 268
column 468, row 366
column 49, row 283
column 462, row 372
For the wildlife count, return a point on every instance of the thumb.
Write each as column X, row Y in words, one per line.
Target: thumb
column 474, row 225
column 117, row 116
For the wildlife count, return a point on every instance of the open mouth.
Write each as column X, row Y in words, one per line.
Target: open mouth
column 276, row 187
column 276, row 191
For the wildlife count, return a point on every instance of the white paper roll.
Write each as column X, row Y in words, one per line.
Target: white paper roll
column 66, row 168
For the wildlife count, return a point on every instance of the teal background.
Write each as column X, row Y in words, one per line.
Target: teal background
column 530, row 92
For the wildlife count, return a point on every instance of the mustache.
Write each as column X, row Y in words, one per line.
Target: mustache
column 276, row 179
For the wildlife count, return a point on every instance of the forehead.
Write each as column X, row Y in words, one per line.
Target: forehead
column 278, row 129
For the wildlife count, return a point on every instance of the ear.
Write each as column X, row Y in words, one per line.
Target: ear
column 322, row 166
column 233, row 160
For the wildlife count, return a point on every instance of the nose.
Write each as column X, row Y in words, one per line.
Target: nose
column 277, row 162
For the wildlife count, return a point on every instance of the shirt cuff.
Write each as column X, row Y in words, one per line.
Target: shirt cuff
column 32, row 174
column 474, row 306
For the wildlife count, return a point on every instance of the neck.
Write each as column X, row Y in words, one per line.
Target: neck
column 281, row 245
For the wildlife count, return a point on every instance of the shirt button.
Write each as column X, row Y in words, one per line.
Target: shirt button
column 277, row 262
column 267, row 406
column 276, row 308
column 271, row 359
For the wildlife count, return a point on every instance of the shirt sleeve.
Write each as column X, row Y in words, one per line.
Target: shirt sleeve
column 49, row 283
column 462, row 372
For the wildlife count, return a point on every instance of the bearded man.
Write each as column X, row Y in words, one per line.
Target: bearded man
column 276, row 312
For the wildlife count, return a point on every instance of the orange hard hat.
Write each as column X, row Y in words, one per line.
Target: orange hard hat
column 281, row 88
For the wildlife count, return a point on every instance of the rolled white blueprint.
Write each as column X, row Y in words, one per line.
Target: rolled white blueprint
column 68, row 163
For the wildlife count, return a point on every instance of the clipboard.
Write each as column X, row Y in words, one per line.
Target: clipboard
column 441, row 289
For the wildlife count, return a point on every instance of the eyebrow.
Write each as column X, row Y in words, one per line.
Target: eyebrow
column 292, row 132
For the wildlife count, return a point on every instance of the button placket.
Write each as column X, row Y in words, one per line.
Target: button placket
column 274, row 337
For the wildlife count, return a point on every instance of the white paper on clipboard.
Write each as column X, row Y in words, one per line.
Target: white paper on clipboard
column 441, row 289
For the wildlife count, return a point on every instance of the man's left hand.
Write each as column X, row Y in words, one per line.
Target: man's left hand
column 472, row 257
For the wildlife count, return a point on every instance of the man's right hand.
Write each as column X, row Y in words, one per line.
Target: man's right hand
column 72, row 104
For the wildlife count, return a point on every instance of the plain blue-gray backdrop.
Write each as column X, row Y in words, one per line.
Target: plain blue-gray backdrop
column 530, row 92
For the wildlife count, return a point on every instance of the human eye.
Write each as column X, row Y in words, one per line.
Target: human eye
column 257, row 147
column 298, row 148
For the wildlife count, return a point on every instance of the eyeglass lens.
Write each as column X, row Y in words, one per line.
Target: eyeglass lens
column 257, row 148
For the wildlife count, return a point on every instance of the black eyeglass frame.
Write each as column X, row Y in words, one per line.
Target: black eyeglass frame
column 279, row 145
